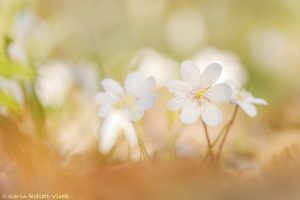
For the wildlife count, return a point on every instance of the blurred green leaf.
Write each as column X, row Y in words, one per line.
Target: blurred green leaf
column 15, row 70
column 9, row 101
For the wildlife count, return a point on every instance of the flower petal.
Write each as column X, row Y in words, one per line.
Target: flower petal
column 129, row 132
column 210, row 114
column 248, row 108
column 133, row 83
column 105, row 110
column 112, row 86
column 178, row 87
column 134, row 113
column 176, row 103
column 108, row 133
column 219, row 93
column 190, row 112
column 210, row 75
column 106, row 98
column 190, row 73
column 260, row 101
column 149, row 84
column 147, row 101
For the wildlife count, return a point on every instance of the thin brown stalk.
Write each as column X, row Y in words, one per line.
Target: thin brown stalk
column 230, row 123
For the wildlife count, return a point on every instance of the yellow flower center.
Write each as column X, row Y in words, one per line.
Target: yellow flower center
column 199, row 94
column 128, row 100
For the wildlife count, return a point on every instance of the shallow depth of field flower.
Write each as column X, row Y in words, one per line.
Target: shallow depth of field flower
column 133, row 100
column 197, row 93
column 245, row 100
column 149, row 99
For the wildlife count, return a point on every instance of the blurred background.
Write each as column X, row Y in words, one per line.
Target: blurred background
column 54, row 55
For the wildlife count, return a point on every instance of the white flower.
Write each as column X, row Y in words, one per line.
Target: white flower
column 54, row 84
column 153, row 63
column 136, row 96
column 197, row 93
column 110, row 130
column 245, row 100
column 233, row 70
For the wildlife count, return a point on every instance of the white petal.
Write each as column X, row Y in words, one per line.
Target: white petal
column 112, row 86
column 147, row 101
column 106, row 98
column 134, row 113
column 108, row 133
column 260, row 101
column 190, row 73
column 210, row 114
column 105, row 110
column 190, row 113
column 178, row 87
column 210, row 75
column 176, row 103
column 148, row 85
column 129, row 132
column 133, row 83
column 219, row 93
column 248, row 108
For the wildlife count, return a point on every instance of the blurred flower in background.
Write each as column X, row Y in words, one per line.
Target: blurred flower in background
column 54, row 84
column 185, row 30
column 31, row 35
column 233, row 70
column 150, row 62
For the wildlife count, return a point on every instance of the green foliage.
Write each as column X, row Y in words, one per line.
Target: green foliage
column 9, row 101
column 10, row 69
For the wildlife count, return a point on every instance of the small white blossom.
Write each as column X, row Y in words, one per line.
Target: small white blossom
column 136, row 96
column 115, row 124
column 197, row 93
column 245, row 100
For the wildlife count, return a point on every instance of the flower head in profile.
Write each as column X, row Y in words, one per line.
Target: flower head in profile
column 111, row 128
column 245, row 100
column 197, row 93
column 136, row 96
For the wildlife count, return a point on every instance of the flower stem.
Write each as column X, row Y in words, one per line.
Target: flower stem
column 216, row 140
column 229, row 125
column 209, row 144
column 171, row 137
column 141, row 142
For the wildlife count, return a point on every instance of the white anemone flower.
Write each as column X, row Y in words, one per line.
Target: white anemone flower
column 136, row 96
column 115, row 124
column 245, row 100
column 197, row 93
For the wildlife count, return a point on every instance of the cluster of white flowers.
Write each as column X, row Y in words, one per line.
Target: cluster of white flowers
column 196, row 96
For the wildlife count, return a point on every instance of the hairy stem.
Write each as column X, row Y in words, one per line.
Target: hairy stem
column 216, row 140
column 229, row 125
